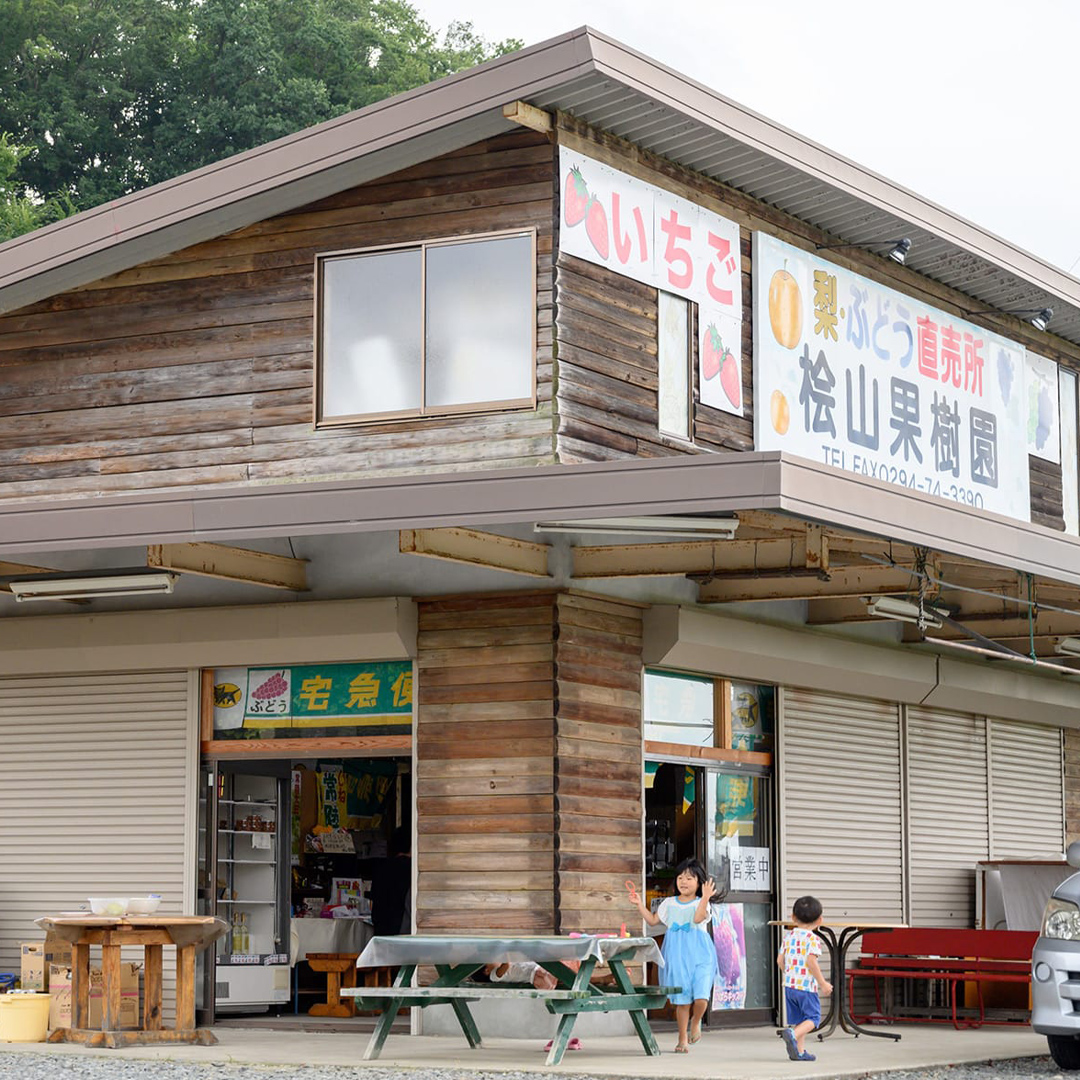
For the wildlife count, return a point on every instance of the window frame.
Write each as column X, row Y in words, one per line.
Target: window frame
column 423, row 413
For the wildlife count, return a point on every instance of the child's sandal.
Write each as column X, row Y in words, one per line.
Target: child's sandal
column 682, row 1048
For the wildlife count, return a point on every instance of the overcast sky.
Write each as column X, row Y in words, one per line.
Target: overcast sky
column 969, row 103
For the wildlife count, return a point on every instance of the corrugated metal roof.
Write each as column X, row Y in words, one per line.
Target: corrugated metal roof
column 599, row 81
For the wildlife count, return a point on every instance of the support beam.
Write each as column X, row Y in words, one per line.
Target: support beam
column 814, row 550
column 230, row 564
column 846, row 581
column 477, row 549
column 521, row 112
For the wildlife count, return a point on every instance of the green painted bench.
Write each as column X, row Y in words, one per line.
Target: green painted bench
column 575, row 994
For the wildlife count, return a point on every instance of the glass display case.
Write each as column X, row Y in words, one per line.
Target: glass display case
column 246, row 809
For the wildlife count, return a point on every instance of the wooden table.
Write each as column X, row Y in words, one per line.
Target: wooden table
column 456, row 958
column 838, row 937
column 188, row 933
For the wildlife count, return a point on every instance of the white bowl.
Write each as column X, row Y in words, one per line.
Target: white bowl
column 109, row 905
column 143, row 905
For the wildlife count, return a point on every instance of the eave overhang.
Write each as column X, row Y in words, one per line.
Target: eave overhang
column 713, row 484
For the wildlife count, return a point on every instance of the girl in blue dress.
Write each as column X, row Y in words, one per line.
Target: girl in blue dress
column 688, row 951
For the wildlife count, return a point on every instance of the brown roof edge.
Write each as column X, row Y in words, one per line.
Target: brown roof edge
column 423, row 123
column 720, row 484
column 713, row 109
column 278, row 176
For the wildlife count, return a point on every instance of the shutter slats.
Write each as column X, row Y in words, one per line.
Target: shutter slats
column 1026, row 805
column 842, row 804
column 947, row 813
column 94, row 781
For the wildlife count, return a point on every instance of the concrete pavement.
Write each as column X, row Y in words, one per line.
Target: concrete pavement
column 745, row 1054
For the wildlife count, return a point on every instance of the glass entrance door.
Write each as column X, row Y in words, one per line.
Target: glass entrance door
column 738, row 856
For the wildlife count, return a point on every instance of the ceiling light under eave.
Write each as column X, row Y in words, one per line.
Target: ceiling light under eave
column 703, row 528
column 892, row 607
column 91, row 588
column 1068, row 646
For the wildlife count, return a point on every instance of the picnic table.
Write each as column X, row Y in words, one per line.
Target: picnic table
column 188, row 933
column 456, row 958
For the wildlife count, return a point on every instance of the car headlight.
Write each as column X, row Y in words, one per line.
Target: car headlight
column 1061, row 920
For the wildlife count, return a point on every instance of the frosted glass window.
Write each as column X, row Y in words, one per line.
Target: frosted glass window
column 480, row 314
column 434, row 328
column 371, row 327
column 1069, row 492
column 673, row 348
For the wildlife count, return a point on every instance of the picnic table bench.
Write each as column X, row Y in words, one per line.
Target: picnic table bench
column 456, row 958
column 949, row 955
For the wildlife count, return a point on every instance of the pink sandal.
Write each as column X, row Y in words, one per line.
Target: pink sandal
column 573, row 1044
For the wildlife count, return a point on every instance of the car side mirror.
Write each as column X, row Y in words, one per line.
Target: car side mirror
column 1072, row 854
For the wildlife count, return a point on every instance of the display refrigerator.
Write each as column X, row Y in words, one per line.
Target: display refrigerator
column 243, row 879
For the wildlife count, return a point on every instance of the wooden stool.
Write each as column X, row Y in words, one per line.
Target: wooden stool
column 376, row 976
column 340, row 970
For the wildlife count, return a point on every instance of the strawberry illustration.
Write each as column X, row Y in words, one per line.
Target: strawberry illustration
column 575, row 197
column 729, row 378
column 712, row 351
column 596, row 227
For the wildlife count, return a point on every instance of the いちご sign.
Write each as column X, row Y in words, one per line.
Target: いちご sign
column 314, row 696
column 646, row 233
column 866, row 379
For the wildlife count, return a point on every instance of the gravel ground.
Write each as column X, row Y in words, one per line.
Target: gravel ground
column 57, row 1067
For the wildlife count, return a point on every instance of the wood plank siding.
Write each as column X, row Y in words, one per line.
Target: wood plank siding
column 598, row 792
column 606, row 332
column 485, row 782
column 197, row 368
column 529, row 763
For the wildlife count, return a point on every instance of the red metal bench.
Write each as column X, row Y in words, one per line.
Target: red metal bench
column 947, row 955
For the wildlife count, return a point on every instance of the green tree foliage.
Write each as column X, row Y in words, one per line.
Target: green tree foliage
column 113, row 95
column 22, row 213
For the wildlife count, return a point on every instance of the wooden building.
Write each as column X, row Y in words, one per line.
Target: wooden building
column 595, row 405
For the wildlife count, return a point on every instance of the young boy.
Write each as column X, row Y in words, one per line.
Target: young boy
column 798, row 960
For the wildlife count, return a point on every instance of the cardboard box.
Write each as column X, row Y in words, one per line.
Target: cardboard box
column 37, row 956
column 60, row 996
column 33, row 966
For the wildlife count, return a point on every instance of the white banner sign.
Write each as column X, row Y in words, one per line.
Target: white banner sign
column 1041, row 408
column 751, row 870
column 868, row 380
column 646, row 233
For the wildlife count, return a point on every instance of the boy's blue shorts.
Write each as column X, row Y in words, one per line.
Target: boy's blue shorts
column 802, row 1005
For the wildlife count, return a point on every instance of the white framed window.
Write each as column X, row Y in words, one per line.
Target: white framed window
column 673, row 363
column 441, row 327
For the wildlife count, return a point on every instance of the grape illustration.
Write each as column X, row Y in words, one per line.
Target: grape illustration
column 1045, row 418
column 1005, row 374
column 274, row 687
column 735, row 914
column 727, row 952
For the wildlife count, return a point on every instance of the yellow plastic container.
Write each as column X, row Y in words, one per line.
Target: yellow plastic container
column 24, row 1017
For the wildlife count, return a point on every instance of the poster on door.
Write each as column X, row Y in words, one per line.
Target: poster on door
column 641, row 231
column 729, row 937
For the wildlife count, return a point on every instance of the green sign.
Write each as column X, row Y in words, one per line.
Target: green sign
column 376, row 694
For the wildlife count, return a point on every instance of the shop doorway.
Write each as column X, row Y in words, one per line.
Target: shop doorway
column 300, row 856
column 709, row 796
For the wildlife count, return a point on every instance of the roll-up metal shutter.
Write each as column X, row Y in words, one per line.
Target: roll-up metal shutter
column 96, row 789
column 948, row 818
column 1026, row 802
column 842, row 822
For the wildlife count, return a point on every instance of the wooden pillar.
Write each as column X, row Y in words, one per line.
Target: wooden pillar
column 598, row 800
column 485, row 814
column 1072, row 785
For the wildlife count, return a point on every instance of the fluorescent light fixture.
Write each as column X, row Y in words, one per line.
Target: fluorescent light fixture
column 703, row 528
column 892, row 607
column 88, row 588
column 1068, row 646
